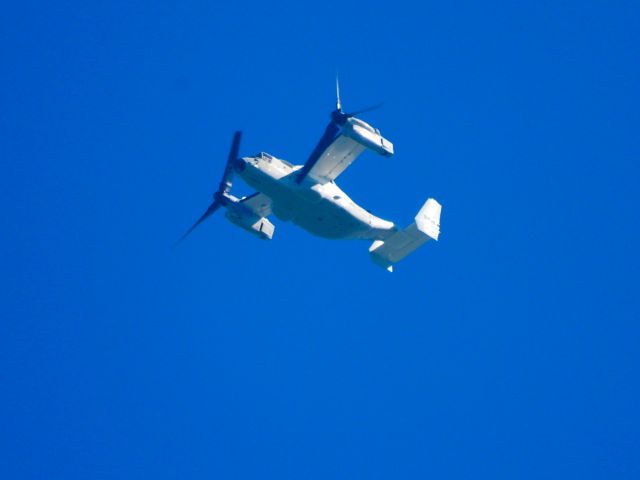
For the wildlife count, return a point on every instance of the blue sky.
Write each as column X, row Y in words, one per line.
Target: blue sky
column 509, row 349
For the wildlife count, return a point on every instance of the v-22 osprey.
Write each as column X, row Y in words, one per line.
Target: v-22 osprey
column 308, row 196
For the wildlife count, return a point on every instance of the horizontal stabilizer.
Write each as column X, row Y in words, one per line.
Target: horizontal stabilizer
column 425, row 227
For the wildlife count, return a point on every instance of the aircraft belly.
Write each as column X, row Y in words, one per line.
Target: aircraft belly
column 329, row 220
column 314, row 209
column 288, row 210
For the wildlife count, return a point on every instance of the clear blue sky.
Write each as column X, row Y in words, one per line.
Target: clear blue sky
column 509, row 349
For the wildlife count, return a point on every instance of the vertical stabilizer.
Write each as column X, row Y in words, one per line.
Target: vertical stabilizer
column 428, row 219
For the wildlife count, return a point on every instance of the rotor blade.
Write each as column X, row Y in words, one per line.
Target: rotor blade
column 364, row 110
column 325, row 141
column 212, row 208
column 338, row 104
column 227, row 177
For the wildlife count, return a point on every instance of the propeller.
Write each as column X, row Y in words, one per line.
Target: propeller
column 340, row 117
column 220, row 198
column 212, row 208
column 227, row 177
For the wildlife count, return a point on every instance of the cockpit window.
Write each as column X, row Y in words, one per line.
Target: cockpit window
column 269, row 158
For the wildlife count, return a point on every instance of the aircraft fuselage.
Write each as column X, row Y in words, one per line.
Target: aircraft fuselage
column 321, row 209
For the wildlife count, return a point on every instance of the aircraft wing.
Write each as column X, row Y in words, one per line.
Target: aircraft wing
column 339, row 147
column 258, row 203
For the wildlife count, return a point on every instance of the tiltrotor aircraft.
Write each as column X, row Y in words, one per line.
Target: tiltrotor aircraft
column 308, row 196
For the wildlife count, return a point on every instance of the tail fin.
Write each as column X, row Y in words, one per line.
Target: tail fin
column 426, row 226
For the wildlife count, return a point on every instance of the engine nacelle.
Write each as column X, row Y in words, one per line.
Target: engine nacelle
column 367, row 136
column 252, row 223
